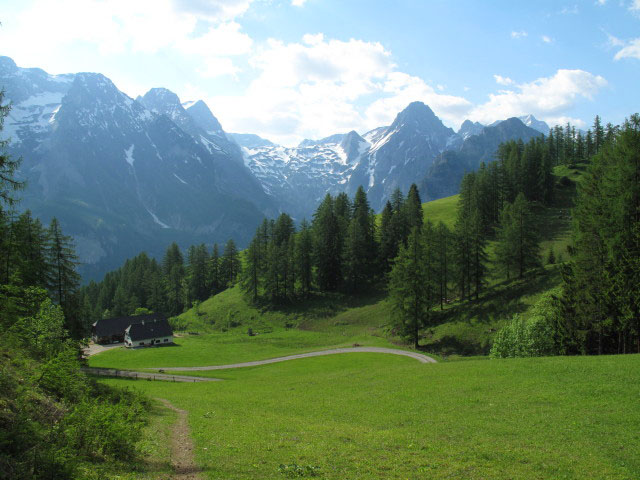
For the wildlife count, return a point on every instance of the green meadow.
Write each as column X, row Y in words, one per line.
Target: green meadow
column 382, row 416
column 362, row 415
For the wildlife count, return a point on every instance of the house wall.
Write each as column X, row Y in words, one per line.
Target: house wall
column 147, row 341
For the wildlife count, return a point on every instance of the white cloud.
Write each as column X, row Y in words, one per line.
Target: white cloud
column 546, row 97
column 320, row 86
column 298, row 3
column 547, row 39
column 203, row 28
column 552, row 121
column 601, row 2
column 631, row 49
column 635, row 6
column 500, row 80
column 519, row 34
column 224, row 39
column 213, row 10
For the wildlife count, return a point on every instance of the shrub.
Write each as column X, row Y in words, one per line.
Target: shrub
column 539, row 335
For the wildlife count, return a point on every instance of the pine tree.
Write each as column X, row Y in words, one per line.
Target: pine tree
column 214, row 274
column 173, row 276
column 303, row 258
column 442, row 260
column 230, row 265
column 198, row 258
column 388, row 246
column 410, row 288
column 63, row 280
column 413, row 208
column 30, row 246
column 518, row 248
column 251, row 273
column 327, row 246
column 598, row 134
column 8, row 165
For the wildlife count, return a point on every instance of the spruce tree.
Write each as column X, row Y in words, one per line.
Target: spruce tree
column 413, row 208
column 518, row 246
column 410, row 288
column 63, row 280
column 388, row 246
column 327, row 246
column 8, row 164
column 303, row 258
column 251, row 273
column 214, row 274
column 230, row 265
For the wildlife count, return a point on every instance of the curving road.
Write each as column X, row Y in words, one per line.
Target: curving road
column 418, row 356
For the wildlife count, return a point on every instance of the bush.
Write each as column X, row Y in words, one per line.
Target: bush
column 539, row 335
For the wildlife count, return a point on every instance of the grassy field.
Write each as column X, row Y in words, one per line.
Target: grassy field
column 381, row 416
column 441, row 210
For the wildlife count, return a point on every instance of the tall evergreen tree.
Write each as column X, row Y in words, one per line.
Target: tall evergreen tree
column 215, row 274
column 8, row 164
column 327, row 246
column 388, row 246
column 251, row 273
column 230, row 265
column 63, row 280
column 303, row 258
column 410, row 288
column 518, row 244
column 413, row 208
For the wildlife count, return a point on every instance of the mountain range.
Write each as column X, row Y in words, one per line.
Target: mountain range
column 125, row 175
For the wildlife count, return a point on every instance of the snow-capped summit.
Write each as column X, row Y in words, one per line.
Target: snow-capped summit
column 469, row 128
column 532, row 122
column 354, row 146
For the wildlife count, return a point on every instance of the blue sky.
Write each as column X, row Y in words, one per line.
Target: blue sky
column 293, row 69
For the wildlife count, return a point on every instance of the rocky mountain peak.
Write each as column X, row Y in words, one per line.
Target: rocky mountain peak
column 203, row 117
column 7, row 66
column 532, row 122
column 94, row 89
column 353, row 145
column 419, row 116
column 469, row 128
column 161, row 100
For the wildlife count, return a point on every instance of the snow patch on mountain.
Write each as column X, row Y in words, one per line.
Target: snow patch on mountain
column 181, row 180
column 36, row 114
column 128, row 154
column 157, row 220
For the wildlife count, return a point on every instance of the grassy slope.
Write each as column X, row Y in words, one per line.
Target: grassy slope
column 378, row 416
column 442, row 210
column 325, row 322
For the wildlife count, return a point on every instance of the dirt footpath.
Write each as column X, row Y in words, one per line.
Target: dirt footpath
column 182, row 457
